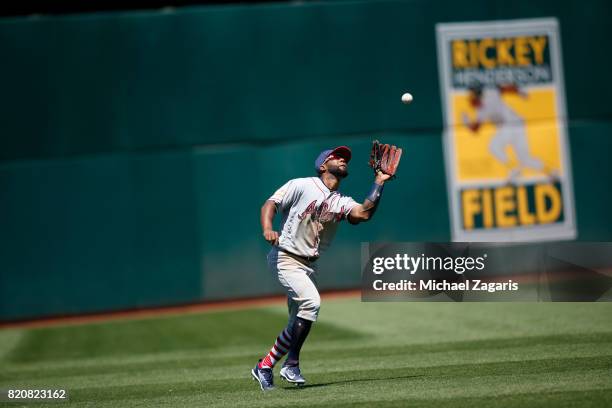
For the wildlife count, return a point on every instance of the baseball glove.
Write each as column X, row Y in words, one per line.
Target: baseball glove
column 385, row 158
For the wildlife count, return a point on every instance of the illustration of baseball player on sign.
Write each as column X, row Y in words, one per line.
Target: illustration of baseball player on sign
column 505, row 136
column 510, row 128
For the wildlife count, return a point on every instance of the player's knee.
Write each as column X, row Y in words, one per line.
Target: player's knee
column 314, row 303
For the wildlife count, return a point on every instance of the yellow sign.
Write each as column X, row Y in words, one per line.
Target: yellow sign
column 505, row 135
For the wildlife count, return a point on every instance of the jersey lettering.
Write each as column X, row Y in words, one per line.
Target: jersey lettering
column 312, row 207
column 311, row 213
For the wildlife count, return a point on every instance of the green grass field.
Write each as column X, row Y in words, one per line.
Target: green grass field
column 359, row 354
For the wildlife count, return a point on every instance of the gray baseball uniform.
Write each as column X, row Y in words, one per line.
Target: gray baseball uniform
column 311, row 213
column 310, row 216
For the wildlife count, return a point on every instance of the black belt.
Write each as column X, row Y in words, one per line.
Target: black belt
column 300, row 257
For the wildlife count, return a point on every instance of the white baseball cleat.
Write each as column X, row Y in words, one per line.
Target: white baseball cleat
column 292, row 375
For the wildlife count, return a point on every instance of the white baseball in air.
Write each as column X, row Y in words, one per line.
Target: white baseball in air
column 407, row 98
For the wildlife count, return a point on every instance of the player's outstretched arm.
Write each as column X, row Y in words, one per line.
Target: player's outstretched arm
column 268, row 210
column 365, row 211
column 513, row 89
column 473, row 126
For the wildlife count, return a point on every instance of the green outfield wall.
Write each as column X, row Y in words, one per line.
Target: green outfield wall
column 136, row 148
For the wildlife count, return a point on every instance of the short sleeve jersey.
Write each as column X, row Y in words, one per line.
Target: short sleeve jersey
column 494, row 109
column 310, row 215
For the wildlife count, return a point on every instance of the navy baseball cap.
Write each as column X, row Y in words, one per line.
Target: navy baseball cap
column 342, row 151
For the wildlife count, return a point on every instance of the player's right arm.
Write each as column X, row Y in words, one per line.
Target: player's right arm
column 268, row 210
column 281, row 200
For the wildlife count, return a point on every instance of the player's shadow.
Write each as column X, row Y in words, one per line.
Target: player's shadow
column 352, row 381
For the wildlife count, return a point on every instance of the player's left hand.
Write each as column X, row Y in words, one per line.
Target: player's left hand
column 381, row 177
column 384, row 159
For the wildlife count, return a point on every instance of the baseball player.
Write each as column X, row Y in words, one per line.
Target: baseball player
column 510, row 127
column 311, row 209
